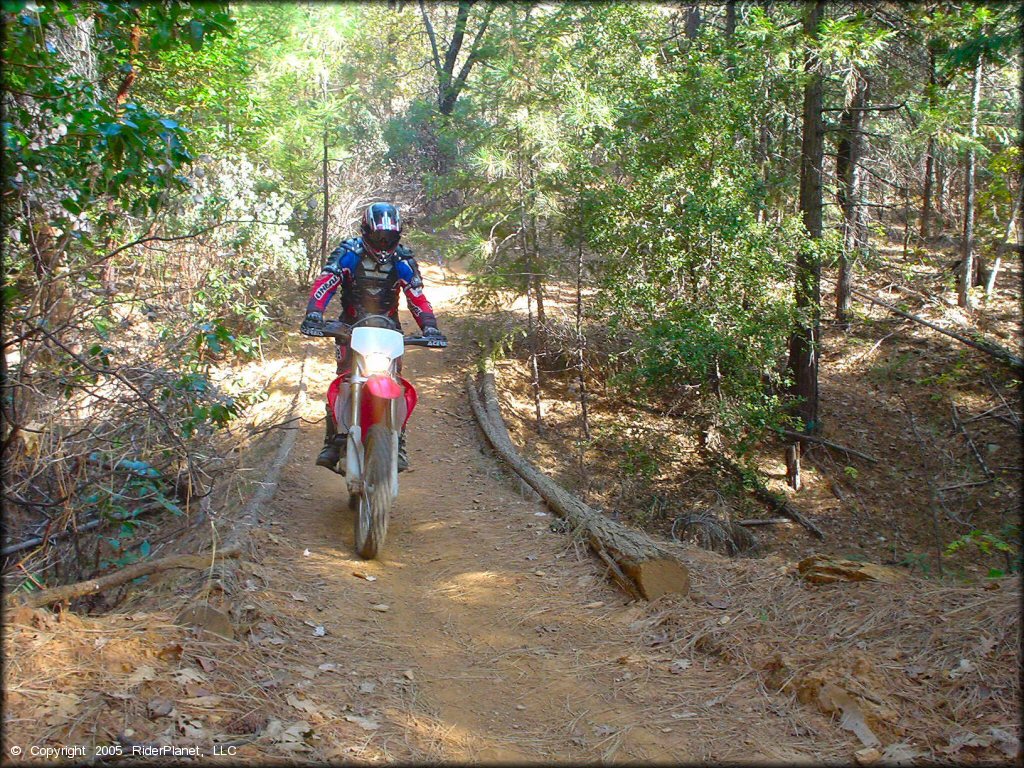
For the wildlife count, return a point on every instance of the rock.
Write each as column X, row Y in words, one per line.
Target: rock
column 867, row 756
column 208, row 618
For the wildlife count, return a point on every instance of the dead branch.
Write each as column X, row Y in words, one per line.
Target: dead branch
column 1010, row 410
column 760, row 491
column 982, row 345
column 765, row 521
column 828, row 444
column 958, row 425
column 123, row 576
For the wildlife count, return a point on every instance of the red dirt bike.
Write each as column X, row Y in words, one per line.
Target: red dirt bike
column 372, row 402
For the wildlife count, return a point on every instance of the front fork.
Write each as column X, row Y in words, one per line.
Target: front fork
column 354, row 456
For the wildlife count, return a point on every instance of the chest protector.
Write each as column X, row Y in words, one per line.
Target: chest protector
column 373, row 289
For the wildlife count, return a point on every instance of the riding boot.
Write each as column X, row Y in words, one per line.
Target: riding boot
column 403, row 454
column 331, row 451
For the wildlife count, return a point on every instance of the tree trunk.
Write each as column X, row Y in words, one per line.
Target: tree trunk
column 967, row 268
column 450, row 85
column 531, row 332
column 942, row 178
column 692, row 21
column 803, row 344
column 327, row 209
column 848, row 171
column 1008, row 241
column 983, row 345
column 929, row 158
column 730, row 18
column 581, row 344
column 643, row 567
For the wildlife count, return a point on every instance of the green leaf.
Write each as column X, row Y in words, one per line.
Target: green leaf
column 167, row 504
column 71, row 206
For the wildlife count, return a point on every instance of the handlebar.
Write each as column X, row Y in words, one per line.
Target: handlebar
column 336, row 329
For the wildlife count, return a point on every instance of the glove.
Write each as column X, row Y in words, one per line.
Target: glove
column 313, row 324
column 436, row 338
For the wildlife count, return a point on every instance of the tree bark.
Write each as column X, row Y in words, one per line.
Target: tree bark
column 581, row 344
column 730, row 18
column 450, row 85
column 327, row 208
column 643, row 567
column 929, row 158
column 848, row 171
column 692, row 21
column 803, row 343
column 967, row 265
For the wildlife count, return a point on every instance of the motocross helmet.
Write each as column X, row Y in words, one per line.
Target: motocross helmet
column 382, row 229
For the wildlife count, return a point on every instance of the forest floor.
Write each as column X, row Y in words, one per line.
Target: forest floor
column 887, row 390
column 483, row 634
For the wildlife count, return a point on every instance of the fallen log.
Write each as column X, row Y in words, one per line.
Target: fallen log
column 642, row 566
column 982, row 345
column 828, row 444
column 122, row 576
column 762, row 492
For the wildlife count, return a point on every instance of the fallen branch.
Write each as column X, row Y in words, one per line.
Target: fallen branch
column 765, row 521
column 122, row 576
column 828, row 444
column 958, row 425
column 641, row 565
column 982, row 345
column 753, row 483
column 965, row 485
column 1011, row 411
column 35, row 541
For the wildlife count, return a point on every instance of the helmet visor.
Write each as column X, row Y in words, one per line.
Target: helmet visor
column 383, row 239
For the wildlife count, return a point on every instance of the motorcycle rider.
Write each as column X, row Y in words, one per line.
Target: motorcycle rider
column 370, row 270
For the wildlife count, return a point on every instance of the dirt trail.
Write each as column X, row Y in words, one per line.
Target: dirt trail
column 501, row 641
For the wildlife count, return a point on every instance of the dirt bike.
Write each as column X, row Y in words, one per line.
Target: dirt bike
column 372, row 402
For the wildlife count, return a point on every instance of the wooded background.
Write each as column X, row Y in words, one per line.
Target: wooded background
column 712, row 182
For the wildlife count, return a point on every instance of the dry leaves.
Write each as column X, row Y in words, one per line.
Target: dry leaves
column 832, row 698
column 303, row 705
column 187, row 675
column 292, row 738
column 365, row 723
column 142, row 674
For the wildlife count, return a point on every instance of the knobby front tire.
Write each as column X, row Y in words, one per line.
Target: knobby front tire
column 375, row 501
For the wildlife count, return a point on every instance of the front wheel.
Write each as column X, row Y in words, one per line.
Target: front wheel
column 375, row 501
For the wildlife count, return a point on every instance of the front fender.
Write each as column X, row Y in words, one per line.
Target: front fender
column 384, row 387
